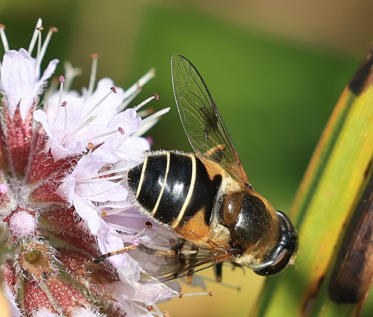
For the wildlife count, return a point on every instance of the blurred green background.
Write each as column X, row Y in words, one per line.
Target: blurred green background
column 275, row 69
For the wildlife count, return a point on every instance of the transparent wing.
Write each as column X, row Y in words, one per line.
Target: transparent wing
column 185, row 260
column 201, row 120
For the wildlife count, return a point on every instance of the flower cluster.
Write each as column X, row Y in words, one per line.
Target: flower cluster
column 63, row 200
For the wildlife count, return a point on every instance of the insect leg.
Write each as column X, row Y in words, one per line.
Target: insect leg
column 109, row 254
column 218, row 272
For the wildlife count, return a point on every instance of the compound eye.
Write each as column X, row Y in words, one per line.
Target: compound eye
column 286, row 246
column 251, row 224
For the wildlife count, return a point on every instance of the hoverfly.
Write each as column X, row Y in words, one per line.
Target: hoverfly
column 205, row 197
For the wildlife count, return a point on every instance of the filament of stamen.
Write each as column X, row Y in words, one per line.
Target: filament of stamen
column 72, row 133
column 145, row 113
column 43, row 49
column 101, row 101
column 70, row 73
column 4, row 39
column 35, row 36
column 114, row 212
column 181, row 294
column 52, row 88
column 130, row 215
column 61, row 80
column 148, row 122
column 156, row 115
column 112, row 171
column 127, row 101
column 98, row 180
column 145, row 127
column 61, row 104
column 146, row 101
column 92, row 78
column 39, row 41
column 134, row 90
column 107, row 133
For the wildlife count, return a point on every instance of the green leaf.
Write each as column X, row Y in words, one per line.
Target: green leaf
column 327, row 197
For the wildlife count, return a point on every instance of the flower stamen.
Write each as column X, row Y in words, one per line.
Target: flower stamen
column 98, row 179
column 70, row 73
column 148, row 122
column 112, row 91
column 72, row 133
column 119, row 129
column 182, row 294
column 146, row 112
column 35, row 35
column 108, row 172
column 62, row 104
column 51, row 89
column 44, row 47
column 4, row 39
column 40, row 28
column 61, row 80
column 135, row 89
column 146, row 101
column 77, row 164
column 92, row 78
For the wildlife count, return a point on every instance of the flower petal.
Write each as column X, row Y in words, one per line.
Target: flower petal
column 148, row 293
column 108, row 242
column 84, row 312
column 46, row 75
column 20, row 80
column 67, row 188
column 14, row 310
column 101, row 191
column 87, row 212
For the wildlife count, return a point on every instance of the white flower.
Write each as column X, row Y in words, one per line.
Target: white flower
column 150, row 292
column 81, row 120
column 79, row 191
column 109, row 241
column 62, row 194
column 20, row 80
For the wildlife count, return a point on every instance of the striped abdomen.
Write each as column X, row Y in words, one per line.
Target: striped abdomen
column 174, row 188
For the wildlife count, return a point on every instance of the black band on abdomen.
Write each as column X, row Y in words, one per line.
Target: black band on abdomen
column 176, row 188
column 152, row 179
